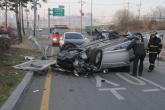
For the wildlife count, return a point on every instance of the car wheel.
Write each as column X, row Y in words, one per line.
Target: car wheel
column 68, row 46
column 96, row 57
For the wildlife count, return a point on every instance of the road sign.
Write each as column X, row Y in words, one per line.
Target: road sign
column 58, row 11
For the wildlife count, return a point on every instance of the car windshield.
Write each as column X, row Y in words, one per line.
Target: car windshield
column 73, row 36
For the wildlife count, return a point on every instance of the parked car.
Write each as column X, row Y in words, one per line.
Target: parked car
column 74, row 38
column 96, row 56
column 11, row 32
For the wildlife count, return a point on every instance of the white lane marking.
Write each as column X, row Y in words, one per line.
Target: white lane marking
column 153, row 83
column 114, row 92
column 151, row 90
column 99, row 81
column 139, row 82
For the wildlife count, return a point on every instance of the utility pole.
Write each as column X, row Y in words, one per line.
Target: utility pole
column 49, row 21
column 139, row 10
column 38, row 21
column 81, row 16
column 69, row 14
column 6, row 13
column 35, row 12
column 128, row 15
column 91, row 16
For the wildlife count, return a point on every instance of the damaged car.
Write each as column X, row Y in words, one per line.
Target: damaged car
column 95, row 56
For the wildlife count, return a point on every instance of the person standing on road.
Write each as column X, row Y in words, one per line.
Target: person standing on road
column 138, row 47
column 154, row 48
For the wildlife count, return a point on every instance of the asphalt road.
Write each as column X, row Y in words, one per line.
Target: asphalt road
column 116, row 90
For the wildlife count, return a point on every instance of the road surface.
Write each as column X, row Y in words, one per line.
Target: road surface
column 116, row 90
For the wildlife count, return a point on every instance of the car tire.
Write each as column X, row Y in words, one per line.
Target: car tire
column 96, row 57
column 68, row 46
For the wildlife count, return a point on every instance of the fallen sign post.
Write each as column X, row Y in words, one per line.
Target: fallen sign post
column 35, row 65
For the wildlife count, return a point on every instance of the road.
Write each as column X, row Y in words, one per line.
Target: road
column 116, row 90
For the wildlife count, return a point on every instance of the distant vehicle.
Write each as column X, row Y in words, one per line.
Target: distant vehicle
column 11, row 32
column 56, row 33
column 75, row 38
column 89, row 29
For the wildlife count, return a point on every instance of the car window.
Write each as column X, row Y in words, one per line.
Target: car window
column 73, row 36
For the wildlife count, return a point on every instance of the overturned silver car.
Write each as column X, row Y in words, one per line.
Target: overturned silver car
column 96, row 56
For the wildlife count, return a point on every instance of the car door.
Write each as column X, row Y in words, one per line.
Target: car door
column 116, row 56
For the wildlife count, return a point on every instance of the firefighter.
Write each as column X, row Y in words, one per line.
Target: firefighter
column 154, row 48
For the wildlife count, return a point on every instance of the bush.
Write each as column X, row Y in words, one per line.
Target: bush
column 4, row 43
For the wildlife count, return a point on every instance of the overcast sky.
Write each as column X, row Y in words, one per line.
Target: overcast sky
column 102, row 8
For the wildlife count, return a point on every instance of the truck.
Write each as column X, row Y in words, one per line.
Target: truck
column 89, row 29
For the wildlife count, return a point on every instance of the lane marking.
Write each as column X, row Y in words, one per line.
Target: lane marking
column 114, row 92
column 99, row 81
column 46, row 92
column 151, row 90
column 153, row 83
column 139, row 82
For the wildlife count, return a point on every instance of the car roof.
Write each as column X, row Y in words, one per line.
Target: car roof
column 72, row 32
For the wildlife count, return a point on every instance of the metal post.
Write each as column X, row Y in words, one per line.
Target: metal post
column 91, row 16
column 69, row 14
column 128, row 16
column 81, row 16
column 6, row 13
column 35, row 12
column 49, row 21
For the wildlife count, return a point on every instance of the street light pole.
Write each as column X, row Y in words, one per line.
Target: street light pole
column 35, row 12
column 91, row 16
column 6, row 13
column 49, row 21
column 81, row 16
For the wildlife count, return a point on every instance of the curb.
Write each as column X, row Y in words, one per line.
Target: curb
column 18, row 93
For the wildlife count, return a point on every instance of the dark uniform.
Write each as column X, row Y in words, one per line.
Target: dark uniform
column 154, row 48
column 139, row 50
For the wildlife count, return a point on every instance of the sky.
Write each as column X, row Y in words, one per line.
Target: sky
column 102, row 9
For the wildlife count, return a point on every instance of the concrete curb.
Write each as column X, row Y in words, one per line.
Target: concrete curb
column 18, row 93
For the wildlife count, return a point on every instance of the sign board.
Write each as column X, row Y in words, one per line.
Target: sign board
column 58, row 11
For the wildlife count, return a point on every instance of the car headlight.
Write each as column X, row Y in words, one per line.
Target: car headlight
column 83, row 55
column 55, row 39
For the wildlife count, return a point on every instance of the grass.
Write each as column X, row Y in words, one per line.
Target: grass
column 43, row 38
column 10, row 77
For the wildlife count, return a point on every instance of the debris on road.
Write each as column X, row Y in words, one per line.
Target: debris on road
column 35, row 91
column 35, row 65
